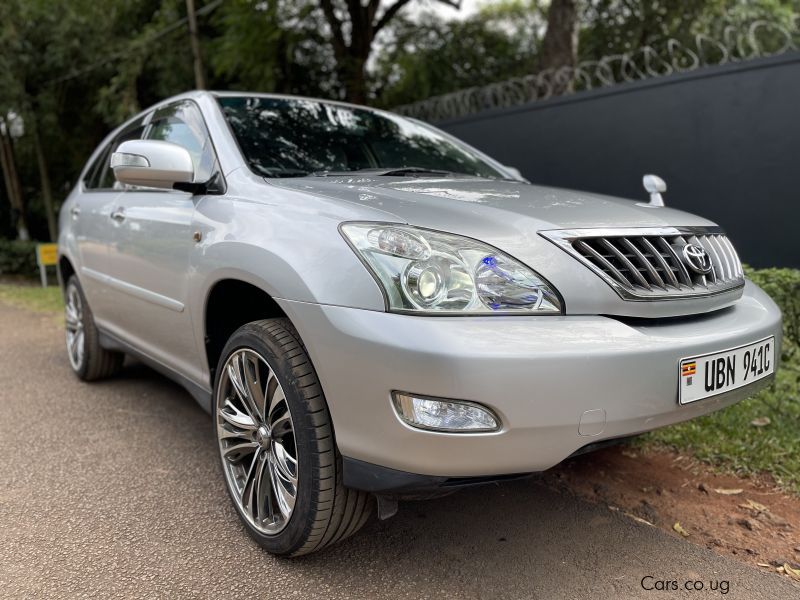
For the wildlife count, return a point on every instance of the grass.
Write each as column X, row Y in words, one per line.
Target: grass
column 32, row 297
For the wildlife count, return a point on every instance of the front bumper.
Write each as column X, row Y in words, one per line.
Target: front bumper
column 557, row 383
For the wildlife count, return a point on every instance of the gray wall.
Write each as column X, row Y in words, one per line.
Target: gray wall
column 724, row 138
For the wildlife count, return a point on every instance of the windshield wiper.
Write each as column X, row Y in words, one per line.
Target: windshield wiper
column 390, row 172
column 412, row 171
column 280, row 172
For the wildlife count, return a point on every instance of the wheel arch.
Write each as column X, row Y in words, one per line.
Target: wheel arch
column 65, row 270
column 230, row 303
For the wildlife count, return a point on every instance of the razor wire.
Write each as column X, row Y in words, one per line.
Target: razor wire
column 735, row 44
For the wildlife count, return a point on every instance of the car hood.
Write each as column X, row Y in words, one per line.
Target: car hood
column 511, row 216
column 461, row 205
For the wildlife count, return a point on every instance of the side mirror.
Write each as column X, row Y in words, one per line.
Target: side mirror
column 152, row 163
column 655, row 186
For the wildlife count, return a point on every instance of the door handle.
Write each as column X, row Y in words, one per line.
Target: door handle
column 118, row 215
column 75, row 211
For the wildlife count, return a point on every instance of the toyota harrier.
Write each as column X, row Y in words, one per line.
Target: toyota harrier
column 371, row 309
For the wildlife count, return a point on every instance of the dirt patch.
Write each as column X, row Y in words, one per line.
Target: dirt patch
column 749, row 519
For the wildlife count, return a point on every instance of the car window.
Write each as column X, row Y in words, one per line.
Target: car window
column 103, row 177
column 286, row 137
column 182, row 123
column 93, row 173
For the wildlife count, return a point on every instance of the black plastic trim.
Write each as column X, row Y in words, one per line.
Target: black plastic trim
column 360, row 475
column 376, row 479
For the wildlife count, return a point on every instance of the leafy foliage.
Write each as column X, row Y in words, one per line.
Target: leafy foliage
column 619, row 26
column 428, row 57
column 273, row 46
column 783, row 285
column 17, row 258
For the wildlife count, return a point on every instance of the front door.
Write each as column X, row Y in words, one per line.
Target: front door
column 148, row 262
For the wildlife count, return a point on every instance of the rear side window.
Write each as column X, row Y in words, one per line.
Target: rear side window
column 100, row 176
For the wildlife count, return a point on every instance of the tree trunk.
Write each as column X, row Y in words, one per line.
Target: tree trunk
column 13, row 186
column 354, row 78
column 44, row 178
column 559, row 47
column 5, row 169
column 199, row 72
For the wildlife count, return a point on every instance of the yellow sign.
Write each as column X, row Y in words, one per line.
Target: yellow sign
column 47, row 255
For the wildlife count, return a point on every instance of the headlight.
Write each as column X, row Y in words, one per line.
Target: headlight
column 433, row 272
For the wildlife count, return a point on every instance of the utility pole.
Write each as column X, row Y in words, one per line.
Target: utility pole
column 199, row 74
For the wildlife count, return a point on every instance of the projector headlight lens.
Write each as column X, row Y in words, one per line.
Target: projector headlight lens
column 438, row 414
column 427, row 271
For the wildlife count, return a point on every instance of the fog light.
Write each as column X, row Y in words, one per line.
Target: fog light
column 444, row 415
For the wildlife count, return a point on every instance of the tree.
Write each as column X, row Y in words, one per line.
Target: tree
column 610, row 27
column 618, row 26
column 427, row 57
column 353, row 51
column 559, row 47
column 199, row 71
column 330, row 38
column 8, row 168
column 53, row 58
column 273, row 47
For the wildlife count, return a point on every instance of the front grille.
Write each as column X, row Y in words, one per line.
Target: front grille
column 650, row 263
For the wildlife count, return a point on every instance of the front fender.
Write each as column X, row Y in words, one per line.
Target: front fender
column 290, row 248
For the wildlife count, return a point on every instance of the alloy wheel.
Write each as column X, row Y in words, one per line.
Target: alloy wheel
column 257, row 441
column 73, row 317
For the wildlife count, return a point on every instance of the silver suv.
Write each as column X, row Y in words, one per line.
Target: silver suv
column 371, row 309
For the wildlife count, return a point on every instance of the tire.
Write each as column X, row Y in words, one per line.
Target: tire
column 323, row 511
column 89, row 360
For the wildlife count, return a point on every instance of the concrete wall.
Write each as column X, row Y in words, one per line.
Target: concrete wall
column 726, row 139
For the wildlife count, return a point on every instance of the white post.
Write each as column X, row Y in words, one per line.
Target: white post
column 42, row 268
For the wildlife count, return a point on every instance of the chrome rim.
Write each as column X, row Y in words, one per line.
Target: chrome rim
column 73, row 309
column 257, row 442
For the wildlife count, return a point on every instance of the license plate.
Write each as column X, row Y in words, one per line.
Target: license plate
column 711, row 374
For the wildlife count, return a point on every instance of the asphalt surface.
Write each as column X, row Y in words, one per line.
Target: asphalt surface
column 112, row 489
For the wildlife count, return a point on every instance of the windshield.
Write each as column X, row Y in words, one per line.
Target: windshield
column 288, row 137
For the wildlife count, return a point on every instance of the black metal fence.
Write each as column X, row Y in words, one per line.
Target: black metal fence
column 725, row 138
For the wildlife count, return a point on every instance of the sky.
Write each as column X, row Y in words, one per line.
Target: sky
column 468, row 7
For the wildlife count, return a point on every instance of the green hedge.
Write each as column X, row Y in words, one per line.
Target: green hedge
column 784, row 287
column 18, row 258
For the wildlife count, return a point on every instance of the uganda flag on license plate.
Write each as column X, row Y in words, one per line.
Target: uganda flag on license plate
column 689, row 368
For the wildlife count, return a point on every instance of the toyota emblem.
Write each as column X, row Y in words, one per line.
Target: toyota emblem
column 697, row 259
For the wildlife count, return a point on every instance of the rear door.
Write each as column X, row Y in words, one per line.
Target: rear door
column 93, row 225
column 153, row 241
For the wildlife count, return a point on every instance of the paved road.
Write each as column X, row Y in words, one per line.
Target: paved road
column 113, row 490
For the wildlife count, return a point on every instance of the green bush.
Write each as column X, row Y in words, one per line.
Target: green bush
column 783, row 285
column 18, row 258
